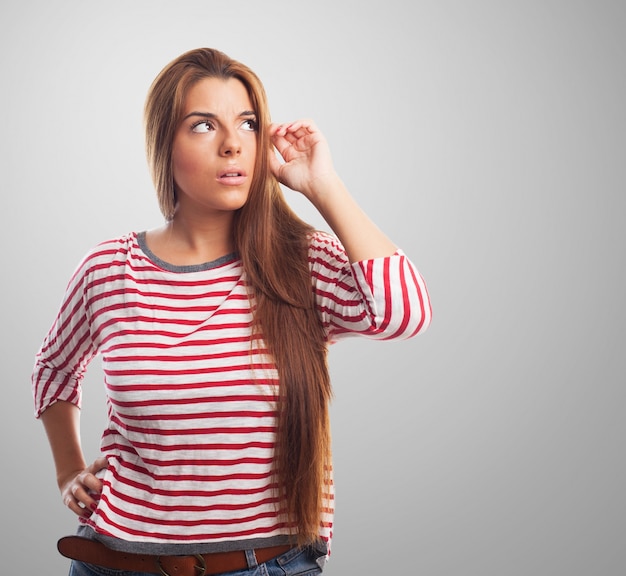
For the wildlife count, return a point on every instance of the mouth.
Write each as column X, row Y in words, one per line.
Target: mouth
column 232, row 176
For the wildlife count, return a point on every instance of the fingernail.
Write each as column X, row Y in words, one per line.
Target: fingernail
column 93, row 507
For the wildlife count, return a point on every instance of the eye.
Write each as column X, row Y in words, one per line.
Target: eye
column 250, row 125
column 202, row 127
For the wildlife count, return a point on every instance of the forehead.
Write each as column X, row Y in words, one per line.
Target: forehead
column 218, row 96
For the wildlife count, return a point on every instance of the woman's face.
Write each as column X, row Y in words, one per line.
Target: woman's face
column 214, row 147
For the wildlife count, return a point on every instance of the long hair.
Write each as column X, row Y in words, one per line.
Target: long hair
column 273, row 245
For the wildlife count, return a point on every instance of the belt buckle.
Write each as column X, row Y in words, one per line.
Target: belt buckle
column 201, row 569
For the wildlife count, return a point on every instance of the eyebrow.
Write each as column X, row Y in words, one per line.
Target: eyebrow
column 244, row 114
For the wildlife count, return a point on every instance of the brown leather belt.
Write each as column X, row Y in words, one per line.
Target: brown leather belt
column 92, row 552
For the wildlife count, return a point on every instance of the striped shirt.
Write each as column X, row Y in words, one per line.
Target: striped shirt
column 191, row 396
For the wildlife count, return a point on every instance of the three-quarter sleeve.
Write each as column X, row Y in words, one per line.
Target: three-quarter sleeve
column 382, row 298
column 61, row 361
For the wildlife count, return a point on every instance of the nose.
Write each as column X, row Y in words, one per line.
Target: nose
column 231, row 145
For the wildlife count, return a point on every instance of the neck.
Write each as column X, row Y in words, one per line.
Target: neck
column 190, row 239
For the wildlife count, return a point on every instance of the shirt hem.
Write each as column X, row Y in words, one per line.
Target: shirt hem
column 185, row 549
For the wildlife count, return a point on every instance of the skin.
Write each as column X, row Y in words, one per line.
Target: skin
column 220, row 139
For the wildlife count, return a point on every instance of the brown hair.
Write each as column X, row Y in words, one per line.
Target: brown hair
column 273, row 245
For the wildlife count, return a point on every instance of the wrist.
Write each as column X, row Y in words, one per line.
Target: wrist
column 326, row 189
column 66, row 476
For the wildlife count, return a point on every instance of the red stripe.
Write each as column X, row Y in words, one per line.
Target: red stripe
column 191, row 401
column 183, row 343
column 180, row 478
column 199, row 463
column 333, row 314
column 204, row 431
column 137, row 387
column 126, row 292
column 343, row 302
column 189, row 371
column 422, row 306
column 406, row 305
column 198, row 325
column 175, row 335
column 223, row 506
column 196, row 415
column 206, row 536
column 388, row 294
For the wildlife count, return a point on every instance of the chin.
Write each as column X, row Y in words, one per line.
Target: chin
column 240, row 201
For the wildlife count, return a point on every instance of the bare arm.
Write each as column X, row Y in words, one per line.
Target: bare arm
column 361, row 238
column 77, row 481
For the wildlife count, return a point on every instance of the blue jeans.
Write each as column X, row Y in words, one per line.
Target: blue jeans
column 295, row 562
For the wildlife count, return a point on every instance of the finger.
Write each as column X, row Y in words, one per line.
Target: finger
column 289, row 142
column 302, row 127
column 274, row 128
column 281, row 144
column 302, row 136
column 290, row 133
column 275, row 165
column 92, row 483
column 299, row 128
column 98, row 464
column 73, row 505
column 86, row 490
column 76, row 506
column 278, row 129
column 81, row 493
column 90, row 478
column 292, row 137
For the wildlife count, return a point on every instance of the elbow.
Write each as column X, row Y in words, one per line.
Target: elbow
column 417, row 317
column 425, row 313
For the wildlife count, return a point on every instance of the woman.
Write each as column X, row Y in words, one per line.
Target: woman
column 213, row 331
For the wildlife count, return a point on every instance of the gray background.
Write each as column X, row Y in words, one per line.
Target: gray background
column 487, row 138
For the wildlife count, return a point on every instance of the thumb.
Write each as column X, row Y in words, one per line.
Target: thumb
column 99, row 464
column 275, row 165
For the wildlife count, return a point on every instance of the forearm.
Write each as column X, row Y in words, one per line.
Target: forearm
column 361, row 238
column 308, row 169
column 62, row 424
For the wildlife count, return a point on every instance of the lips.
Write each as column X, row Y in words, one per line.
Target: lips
column 232, row 176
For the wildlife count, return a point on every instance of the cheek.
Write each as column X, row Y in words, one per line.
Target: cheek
column 185, row 165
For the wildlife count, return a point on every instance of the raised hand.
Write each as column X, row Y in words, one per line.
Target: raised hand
column 307, row 166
